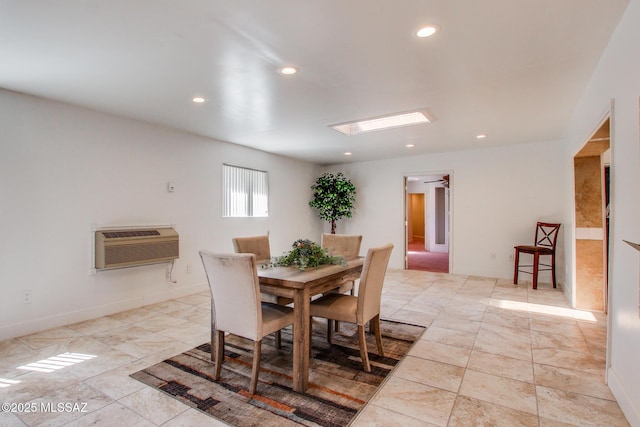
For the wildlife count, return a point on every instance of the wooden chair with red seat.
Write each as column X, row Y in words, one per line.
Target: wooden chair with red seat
column 545, row 245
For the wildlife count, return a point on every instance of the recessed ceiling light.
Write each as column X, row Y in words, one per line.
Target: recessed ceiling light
column 198, row 99
column 427, row 31
column 348, row 153
column 288, row 70
column 481, row 136
column 410, row 145
column 383, row 122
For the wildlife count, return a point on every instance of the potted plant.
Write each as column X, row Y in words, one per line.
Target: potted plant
column 333, row 197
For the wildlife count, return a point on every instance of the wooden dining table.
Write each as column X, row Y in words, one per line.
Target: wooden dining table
column 301, row 286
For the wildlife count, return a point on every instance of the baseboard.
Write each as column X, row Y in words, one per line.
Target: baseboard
column 68, row 318
column 627, row 404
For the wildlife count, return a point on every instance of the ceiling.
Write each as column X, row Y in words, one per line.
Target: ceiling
column 513, row 70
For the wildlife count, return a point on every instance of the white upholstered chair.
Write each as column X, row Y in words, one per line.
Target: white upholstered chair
column 259, row 246
column 363, row 308
column 236, row 307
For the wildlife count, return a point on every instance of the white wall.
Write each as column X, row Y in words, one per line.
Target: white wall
column 65, row 169
column 617, row 79
column 497, row 195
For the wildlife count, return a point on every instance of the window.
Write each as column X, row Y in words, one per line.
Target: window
column 245, row 192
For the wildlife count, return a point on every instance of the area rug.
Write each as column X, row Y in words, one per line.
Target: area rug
column 338, row 387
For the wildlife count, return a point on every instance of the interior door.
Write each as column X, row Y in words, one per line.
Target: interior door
column 439, row 223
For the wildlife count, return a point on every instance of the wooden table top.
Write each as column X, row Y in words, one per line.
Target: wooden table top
column 291, row 277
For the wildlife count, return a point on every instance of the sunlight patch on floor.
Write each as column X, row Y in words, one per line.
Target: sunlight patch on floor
column 7, row 383
column 545, row 309
column 55, row 363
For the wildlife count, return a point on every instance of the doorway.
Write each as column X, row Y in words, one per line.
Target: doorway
column 591, row 176
column 427, row 227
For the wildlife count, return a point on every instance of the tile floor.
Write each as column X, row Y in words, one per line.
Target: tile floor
column 494, row 354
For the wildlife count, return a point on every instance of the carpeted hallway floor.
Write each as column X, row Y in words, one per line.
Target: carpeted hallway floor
column 419, row 259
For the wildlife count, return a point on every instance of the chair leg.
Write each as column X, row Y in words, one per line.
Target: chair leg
column 375, row 322
column 515, row 268
column 213, row 343
column 362, row 341
column 278, row 339
column 536, row 260
column 553, row 269
column 219, row 351
column 330, row 331
column 255, row 369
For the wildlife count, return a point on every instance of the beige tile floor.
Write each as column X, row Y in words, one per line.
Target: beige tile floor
column 494, row 354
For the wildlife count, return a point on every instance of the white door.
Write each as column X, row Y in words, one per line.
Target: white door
column 437, row 220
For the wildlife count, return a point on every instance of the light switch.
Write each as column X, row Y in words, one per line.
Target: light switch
column 170, row 187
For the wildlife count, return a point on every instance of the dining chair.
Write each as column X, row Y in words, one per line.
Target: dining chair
column 344, row 245
column 361, row 309
column 236, row 307
column 259, row 246
column 544, row 245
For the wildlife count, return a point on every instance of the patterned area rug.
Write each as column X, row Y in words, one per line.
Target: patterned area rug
column 338, row 385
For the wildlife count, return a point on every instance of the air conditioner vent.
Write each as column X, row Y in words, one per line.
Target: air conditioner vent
column 129, row 248
column 134, row 233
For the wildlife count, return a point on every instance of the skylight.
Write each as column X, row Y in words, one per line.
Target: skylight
column 383, row 122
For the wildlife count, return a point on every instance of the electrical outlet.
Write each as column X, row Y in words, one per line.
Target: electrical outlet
column 510, row 258
column 26, row 297
column 188, row 268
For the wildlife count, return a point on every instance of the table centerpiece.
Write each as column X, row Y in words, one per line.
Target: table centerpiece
column 307, row 254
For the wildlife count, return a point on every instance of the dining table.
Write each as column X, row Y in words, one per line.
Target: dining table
column 301, row 286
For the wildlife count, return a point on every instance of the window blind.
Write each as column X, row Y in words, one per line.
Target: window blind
column 245, row 192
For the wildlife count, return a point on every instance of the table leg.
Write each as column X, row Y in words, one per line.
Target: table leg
column 301, row 341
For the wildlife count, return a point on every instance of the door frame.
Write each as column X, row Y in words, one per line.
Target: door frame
column 608, row 115
column 407, row 177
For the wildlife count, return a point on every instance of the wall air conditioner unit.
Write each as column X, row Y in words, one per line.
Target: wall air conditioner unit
column 132, row 247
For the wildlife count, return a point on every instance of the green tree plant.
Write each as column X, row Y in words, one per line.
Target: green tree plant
column 333, row 197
